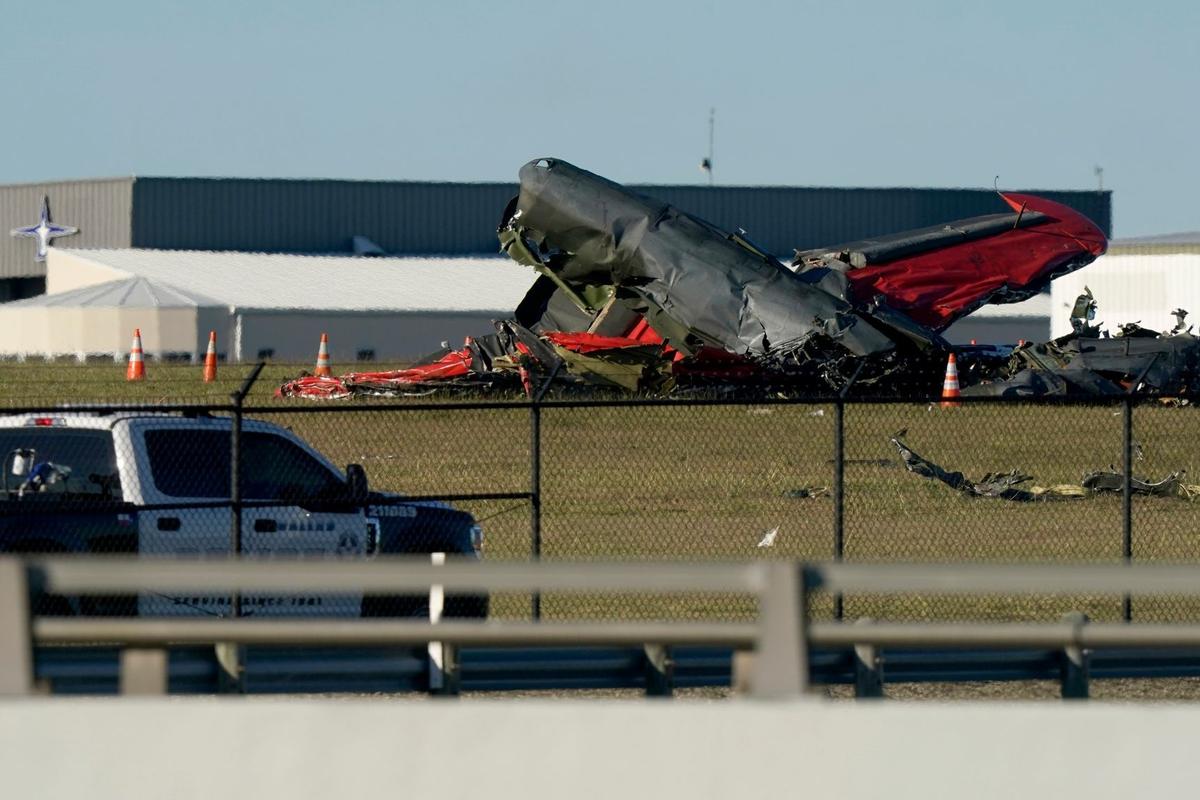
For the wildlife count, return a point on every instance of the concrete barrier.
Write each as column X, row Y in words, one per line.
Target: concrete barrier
column 321, row 748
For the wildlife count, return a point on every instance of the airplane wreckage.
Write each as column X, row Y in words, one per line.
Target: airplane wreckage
column 635, row 295
column 1011, row 485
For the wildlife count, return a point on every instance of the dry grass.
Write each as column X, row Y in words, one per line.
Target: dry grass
column 706, row 482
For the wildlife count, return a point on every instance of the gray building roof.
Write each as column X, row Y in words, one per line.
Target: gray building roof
column 418, row 218
column 491, row 284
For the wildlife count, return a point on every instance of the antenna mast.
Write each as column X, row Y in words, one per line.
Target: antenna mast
column 707, row 163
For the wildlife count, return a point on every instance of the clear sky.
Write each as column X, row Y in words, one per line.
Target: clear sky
column 916, row 93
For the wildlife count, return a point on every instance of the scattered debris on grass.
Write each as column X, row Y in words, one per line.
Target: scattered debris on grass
column 1007, row 485
column 806, row 492
column 768, row 539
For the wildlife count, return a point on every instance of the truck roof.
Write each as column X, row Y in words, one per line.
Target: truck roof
column 101, row 420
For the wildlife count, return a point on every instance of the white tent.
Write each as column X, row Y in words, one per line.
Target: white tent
column 99, row 320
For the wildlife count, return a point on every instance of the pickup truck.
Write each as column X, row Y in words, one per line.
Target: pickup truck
column 152, row 483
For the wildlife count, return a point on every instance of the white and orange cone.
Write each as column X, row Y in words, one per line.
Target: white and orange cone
column 323, row 370
column 136, row 371
column 950, row 393
column 210, row 358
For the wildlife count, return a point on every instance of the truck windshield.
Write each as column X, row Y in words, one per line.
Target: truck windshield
column 195, row 463
column 63, row 461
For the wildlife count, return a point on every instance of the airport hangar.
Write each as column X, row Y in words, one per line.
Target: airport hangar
column 390, row 269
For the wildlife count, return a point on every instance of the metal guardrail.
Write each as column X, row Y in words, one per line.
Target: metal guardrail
column 144, row 640
column 193, row 669
column 781, row 638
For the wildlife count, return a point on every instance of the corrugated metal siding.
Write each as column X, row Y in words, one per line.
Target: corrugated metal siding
column 317, row 216
column 99, row 208
column 452, row 218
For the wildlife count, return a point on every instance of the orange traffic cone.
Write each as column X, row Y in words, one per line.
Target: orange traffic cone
column 210, row 358
column 950, row 385
column 136, row 371
column 323, row 369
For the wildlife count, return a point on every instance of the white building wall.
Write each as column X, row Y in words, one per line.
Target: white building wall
column 294, row 335
column 1143, row 288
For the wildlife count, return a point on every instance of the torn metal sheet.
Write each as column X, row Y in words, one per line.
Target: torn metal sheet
column 938, row 275
column 1003, row 485
column 1114, row 482
column 711, row 312
column 610, row 258
column 806, row 492
column 694, row 285
column 1089, row 362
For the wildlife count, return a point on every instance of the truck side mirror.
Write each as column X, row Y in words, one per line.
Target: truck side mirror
column 356, row 483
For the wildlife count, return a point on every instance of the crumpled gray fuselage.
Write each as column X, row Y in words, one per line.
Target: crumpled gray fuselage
column 698, row 287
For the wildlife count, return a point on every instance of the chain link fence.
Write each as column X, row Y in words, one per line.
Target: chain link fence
column 862, row 480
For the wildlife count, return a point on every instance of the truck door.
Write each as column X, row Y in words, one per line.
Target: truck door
column 310, row 515
column 304, row 511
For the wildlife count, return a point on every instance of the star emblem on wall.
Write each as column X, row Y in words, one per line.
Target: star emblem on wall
column 45, row 231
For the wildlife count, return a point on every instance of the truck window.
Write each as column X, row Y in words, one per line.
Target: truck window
column 83, row 459
column 195, row 463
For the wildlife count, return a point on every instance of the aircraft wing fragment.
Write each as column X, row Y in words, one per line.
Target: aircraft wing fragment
column 939, row 275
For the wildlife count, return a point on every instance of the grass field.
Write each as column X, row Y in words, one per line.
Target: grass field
column 707, row 482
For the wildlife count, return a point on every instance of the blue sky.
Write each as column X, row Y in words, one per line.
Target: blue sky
column 806, row 93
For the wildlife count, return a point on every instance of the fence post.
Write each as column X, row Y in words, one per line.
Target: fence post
column 781, row 657
column 239, row 398
column 839, row 478
column 1127, row 499
column 235, row 467
column 16, row 635
column 232, row 675
column 535, row 494
column 839, row 499
column 235, row 486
